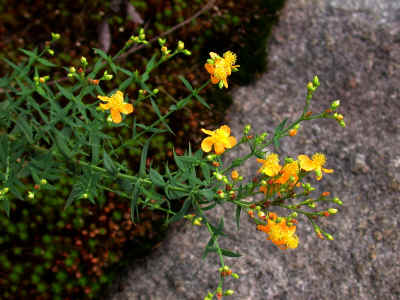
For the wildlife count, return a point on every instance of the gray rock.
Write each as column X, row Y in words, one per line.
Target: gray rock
column 354, row 48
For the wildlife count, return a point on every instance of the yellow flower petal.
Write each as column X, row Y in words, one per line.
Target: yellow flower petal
column 116, row 116
column 306, row 163
column 206, row 144
column 219, row 148
column 104, row 98
column 224, row 130
column 231, row 142
column 209, row 132
column 126, row 108
column 210, row 68
column 105, row 106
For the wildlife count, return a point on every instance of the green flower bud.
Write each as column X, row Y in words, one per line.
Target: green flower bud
column 142, row 36
column 155, row 91
column 328, row 236
column 289, row 160
column 335, row 104
column 161, row 41
column 55, row 36
column 43, row 181
column 31, row 195
column 84, row 61
column 72, row 70
column 337, row 201
column 234, row 275
column 229, row 292
column 219, row 176
column 332, row 211
column 342, row 123
column 181, row 45
column 187, row 52
column 310, row 87
column 316, row 81
column 50, row 51
column 108, row 77
column 246, row 129
column 85, row 196
column 210, row 61
column 221, row 84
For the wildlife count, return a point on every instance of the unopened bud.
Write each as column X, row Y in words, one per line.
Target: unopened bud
column 335, row 104
column 328, row 236
column 292, row 132
column 234, row 275
column 155, row 91
column 316, row 81
column 72, row 70
column 342, row 123
column 181, row 45
column 337, row 201
column 210, row 61
column 310, row 87
column 84, row 61
column 261, row 214
column 246, row 129
column 85, row 196
column 55, row 36
column 31, row 195
column 197, row 221
column 161, row 41
column 50, row 51
column 70, row 75
column 332, row 211
column 229, row 292
column 219, row 176
column 43, row 181
column 289, row 160
column 187, row 52
column 142, row 36
column 107, row 77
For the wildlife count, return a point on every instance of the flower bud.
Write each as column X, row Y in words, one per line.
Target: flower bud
column 55, row 36
column 234, row 275
column 5, row 190
column 225, row 180
column 85, row 196
column 310, row 87
column 84, row 61
column 337, row 201
column 70, row 75
column 197, row 221
column 161, row 41
column 210, row 61
column 335, row 104
column 246, row 129
column 342, row 123
column 221, row 195
column 332, row 211
column 240, row 178
column 50, row 51
column 109, row 119
column 288, row 160
column 261, row 214
column 142, row 36
column 107, row 76
column 31, row 195
column 297, row 126
column 316, row 81
column 328, row 236
column 72, row 70
column 43, row 181
column 235, row 175
column 292, row 132
column 181, row 45
column 293, row 215
column 219, row 176
column 155, row 91
column 221, row 84
column 312, row 205
column 229, row 292
column 187, row 52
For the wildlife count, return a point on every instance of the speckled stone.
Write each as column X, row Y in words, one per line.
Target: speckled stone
column 354, row 48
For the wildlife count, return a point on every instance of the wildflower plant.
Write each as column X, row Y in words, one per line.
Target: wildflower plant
column 53, row 129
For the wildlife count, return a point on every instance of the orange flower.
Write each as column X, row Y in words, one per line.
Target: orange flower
column 116, row 105
column 235, row 175
column 221, row 67
column 314, row 164
column 219, row 138
column 279, row 233
column 290, row 170
column 270, row 165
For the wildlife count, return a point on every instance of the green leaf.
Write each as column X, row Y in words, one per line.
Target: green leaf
column 182, row 212
column 77, row 191
column 109, row 164
column 5, row 204
column 143, row 158
column 178, row 161
column 65, row 92
column 45, row 62
column 209, row 247
column 62, row 145
column 208, row 194
column 205, row 170
column 157, row 110
column 156, row 178
column 134, row 201
column 186, row 83
column 94, row 142
column 226, row 252
column 238, row 210
column 26, row 129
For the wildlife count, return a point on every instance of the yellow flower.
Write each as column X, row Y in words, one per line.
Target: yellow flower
column 219, row 138
column 116, row 105
column 314, row 164
column 221, row 67
column 279, row 233
column 235, row 175
column 288, row 171
column 270, row 165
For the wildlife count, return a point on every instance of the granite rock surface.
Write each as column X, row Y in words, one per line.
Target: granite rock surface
column 354, row 48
